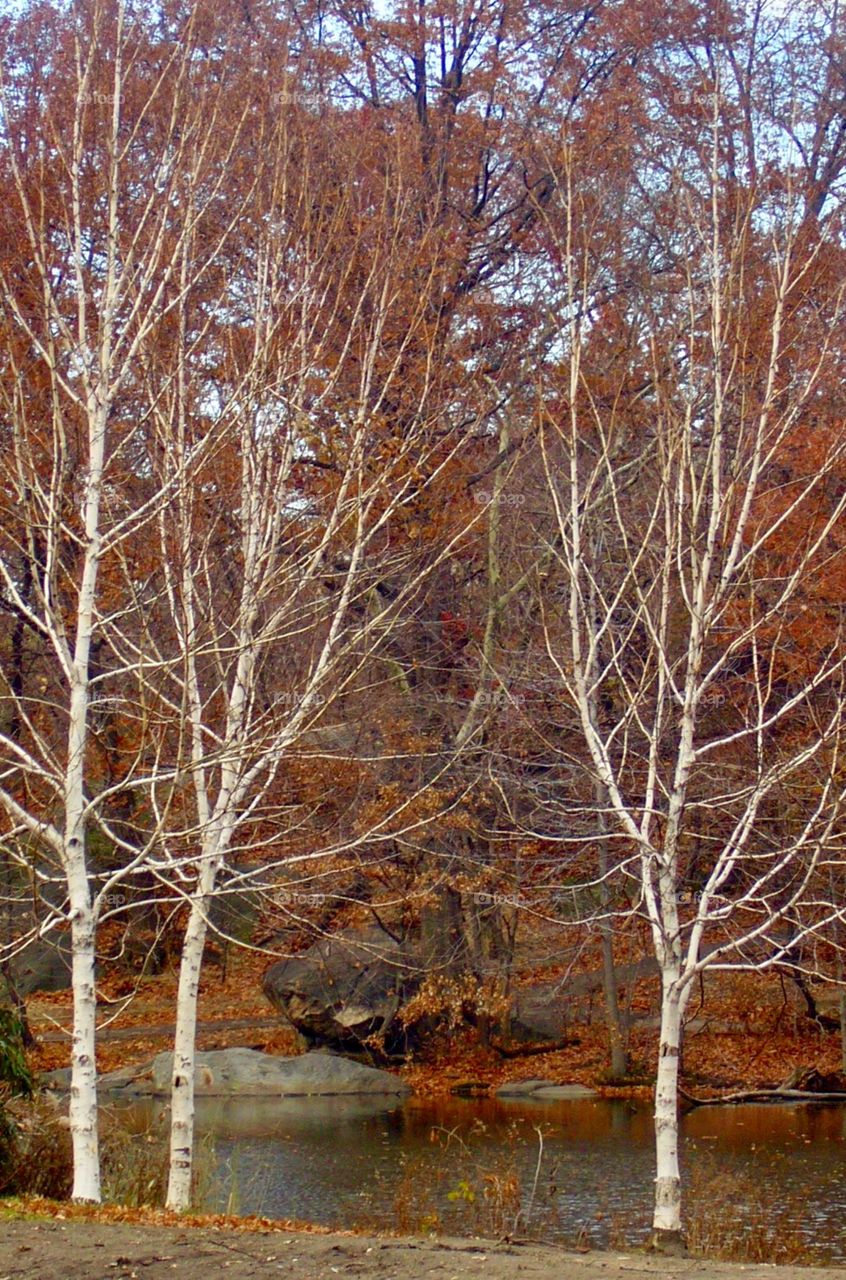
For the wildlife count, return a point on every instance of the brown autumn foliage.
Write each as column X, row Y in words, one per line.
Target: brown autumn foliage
column 416, row 163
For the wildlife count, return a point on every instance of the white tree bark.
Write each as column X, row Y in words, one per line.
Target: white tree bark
column 666, row 1221
column 238, row 732
column 83, row 1091
column 184, row 1044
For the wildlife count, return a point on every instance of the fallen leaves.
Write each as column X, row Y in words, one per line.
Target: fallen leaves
column 60, row 1210
column 746, row 1030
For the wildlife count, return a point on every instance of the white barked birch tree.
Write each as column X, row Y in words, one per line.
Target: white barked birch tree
column 114, row 154
column 695, row 464
column 284, row 561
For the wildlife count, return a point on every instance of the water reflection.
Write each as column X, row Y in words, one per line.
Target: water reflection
column 373, row 1161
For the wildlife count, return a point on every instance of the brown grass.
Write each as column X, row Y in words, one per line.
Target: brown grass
column 729, row 1217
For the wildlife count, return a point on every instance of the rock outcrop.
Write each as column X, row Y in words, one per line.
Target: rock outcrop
column 45, row 965
column 249, row 1073
column 346, row 992
column 346, row 988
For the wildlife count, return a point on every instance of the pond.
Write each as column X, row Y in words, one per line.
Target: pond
column 576, row 1171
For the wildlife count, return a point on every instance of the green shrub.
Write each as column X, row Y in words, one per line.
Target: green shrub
column 15, row 1074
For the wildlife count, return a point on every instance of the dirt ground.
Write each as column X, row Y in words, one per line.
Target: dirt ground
column 54, row 1250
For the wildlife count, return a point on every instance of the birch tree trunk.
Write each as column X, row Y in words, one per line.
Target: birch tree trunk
column 83, row 1091
column 667, row 1223
column 618, row 1050
column 260, row 646
column 184, row 1044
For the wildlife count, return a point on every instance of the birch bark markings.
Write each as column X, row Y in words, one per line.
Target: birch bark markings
column 94, row 274
column 330, row 327
column 83, row 1100
column 217, row 815
column 683, row 507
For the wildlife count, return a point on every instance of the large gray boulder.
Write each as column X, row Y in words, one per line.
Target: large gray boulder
column 349, row 987
column 538, row 1014
column 249, row 1073
column 346, row 988
column 44, row 965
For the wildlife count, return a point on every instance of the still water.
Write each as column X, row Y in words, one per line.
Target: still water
column 576, row 1170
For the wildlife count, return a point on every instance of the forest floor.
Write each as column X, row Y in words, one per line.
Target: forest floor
column 746, row 1030
column 38, row 1248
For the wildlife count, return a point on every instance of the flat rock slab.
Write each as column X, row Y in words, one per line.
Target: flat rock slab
column 544, row 1090
column 249, row 1073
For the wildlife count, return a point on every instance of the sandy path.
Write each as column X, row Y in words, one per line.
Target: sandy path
column 55, row 1250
